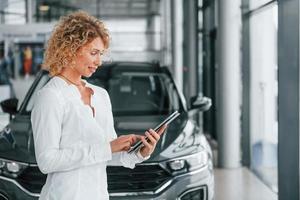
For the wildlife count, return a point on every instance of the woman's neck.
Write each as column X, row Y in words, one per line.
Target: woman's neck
column 71, row 75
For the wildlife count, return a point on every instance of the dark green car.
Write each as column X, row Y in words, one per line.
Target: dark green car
column 142, row 95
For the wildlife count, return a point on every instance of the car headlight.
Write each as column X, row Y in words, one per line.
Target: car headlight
column 176, row 165
column 11, row 168
column 189, row 162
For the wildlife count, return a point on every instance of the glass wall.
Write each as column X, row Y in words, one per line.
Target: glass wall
column 263, row 23
column 254, row 4
column 12, row 11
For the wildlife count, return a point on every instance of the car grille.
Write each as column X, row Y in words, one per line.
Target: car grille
column 120, row 179
column 141, row 178
column 32, row 179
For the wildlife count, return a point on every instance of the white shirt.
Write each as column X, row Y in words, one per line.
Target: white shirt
column 71, row 145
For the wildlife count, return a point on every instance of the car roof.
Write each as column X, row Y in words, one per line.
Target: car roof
column 127, row 66
column 120, row 67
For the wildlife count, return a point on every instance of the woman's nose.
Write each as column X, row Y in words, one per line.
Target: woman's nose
column 98, row 60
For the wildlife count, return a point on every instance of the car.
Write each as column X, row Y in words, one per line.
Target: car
column 142, row 95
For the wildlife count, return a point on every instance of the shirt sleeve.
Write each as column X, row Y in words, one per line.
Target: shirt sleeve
column 47, row 123
column 123, row 158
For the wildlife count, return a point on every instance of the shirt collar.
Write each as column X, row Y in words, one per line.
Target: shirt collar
column 68, row 86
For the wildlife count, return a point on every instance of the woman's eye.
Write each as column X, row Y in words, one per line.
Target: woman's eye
column 94, row 53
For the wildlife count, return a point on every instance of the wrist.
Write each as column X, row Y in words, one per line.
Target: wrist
column 142, row 157
column 112, row 147
column 143, row 153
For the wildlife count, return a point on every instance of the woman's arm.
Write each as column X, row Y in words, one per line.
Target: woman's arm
column 47, row 123
column 130, row 159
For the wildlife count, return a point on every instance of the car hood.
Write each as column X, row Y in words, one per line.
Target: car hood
column 179, row 139
column 170, row 144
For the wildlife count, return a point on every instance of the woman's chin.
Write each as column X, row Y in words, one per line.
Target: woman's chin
column 88, row 74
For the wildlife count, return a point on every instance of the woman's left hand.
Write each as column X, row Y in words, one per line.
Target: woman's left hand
column 149, row 145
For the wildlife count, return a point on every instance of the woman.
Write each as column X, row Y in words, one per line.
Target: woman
column 72, row 120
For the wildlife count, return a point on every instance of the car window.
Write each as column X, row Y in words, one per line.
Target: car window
column 130, row 93
column 138, row 94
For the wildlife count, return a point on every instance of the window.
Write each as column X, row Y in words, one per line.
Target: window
column 263, row 94
column 253, row 4
column 13, row 12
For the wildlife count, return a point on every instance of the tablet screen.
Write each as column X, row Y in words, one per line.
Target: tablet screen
column 167, row 121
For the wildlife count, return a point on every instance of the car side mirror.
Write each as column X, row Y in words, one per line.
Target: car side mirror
column 199, row 104
column 10, row 106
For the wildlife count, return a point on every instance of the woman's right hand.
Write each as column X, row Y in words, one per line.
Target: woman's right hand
column 122, row 143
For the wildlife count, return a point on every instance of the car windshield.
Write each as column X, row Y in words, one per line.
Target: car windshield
column 131, row 93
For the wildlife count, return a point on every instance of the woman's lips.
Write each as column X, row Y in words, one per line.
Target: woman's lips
column 92, row 69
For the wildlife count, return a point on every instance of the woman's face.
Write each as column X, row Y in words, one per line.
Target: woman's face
column 88, row 57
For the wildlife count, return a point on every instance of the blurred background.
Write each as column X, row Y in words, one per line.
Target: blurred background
column 243, row 54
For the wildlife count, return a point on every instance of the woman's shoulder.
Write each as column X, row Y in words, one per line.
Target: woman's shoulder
column 48, row 100
column 50, row 92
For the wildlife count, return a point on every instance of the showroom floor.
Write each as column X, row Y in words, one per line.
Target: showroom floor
column 240, row 184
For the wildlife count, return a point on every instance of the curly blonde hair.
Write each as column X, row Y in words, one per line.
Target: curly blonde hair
column 70, row 33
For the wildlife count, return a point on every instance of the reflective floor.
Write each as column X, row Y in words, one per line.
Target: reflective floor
column 240, row 184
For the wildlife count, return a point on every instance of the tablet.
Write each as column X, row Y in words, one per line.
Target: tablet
column 167, row 121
